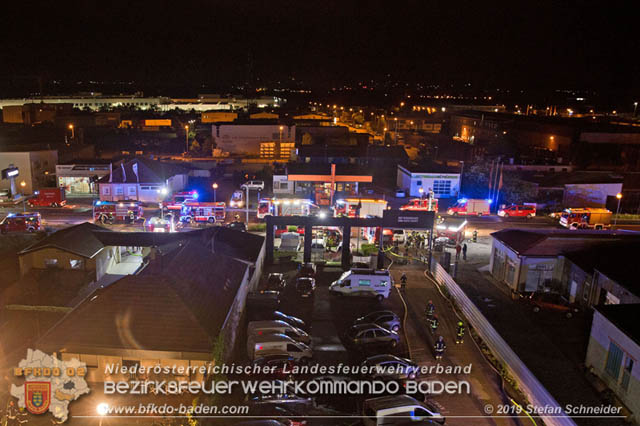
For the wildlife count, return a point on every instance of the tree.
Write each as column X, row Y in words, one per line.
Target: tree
column 195, row 147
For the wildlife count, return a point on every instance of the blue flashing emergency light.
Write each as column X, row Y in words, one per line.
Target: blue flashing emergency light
column 489, row 200
column 462, row 200
column 195, row 195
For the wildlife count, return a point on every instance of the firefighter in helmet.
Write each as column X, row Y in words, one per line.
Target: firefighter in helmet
column 460, row 332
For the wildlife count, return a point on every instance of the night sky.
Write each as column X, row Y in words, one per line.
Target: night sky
column 547, row 44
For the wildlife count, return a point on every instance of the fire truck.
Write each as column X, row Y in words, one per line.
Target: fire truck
column 203, row 212
column 50, row 197
column 21, row 222
column 587, row 218
column 470, row 207
column 422, row 204
column 110, row 212
column 285, row 207
column 180, row 197
column 368, row 207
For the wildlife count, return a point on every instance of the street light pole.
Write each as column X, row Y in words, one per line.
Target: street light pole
column 186, row 136
column 215, row 197
column 73, row 132
column 619, row 197
column 635, row 108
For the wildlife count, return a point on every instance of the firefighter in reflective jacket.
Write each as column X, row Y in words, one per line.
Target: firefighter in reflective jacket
column 434, row 324
column 430, row 309
column 460, row 332
column 439, row 347
column 12, row 414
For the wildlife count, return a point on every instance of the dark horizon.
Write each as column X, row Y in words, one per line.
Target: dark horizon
column 200, row 45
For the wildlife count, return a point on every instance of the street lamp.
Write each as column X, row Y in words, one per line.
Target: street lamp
column 619, row 197
column 186, row 135
column 281, row 129
column 23, row 184
column 635, row 108
column 73, row 132
column 421, row 191
column 215, row 188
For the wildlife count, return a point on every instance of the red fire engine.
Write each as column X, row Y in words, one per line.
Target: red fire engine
column 285, row 207
column 422, row 204
column 50, row 197
column 21, row 222
column 368, row 207
column 110, row 212
column 181, row 197
column 203, row 212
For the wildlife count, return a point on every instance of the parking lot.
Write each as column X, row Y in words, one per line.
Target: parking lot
column 328, row 316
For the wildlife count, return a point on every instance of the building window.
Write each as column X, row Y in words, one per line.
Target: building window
column 106, row 190
column 442, row 187
column 50, row 263
column 119, row 190
column 614, row 359
column 76, row 263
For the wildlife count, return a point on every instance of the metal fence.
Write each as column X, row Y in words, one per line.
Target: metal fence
column 527, row 382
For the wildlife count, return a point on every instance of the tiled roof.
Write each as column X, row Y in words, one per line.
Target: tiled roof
column 180, row 307
column 78, row 239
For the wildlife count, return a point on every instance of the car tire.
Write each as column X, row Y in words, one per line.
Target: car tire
column 395, row 328
column 479, row 214
column 393, row 344
column 211, row 220
column 536, row 309
column 379, row 298
column 568, row 315
column 455, row 213
column 506, row 215
column 529, row 216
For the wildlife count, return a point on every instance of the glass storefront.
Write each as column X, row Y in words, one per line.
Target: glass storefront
column 77, row 185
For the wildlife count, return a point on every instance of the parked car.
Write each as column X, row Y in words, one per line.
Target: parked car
column 550, row 301
column 307, row 270
column 526, row 210
column 305, row 286
column 159, row 224
column 273, row 366
column 276, row 281
column 253, row 184
column 285, row 414
column 391, row 367
column 272, row 314
column 386, row 319
column 382, row 410
column 399, row 236
column 238, row 226
column 266, row 300
column 364, row 336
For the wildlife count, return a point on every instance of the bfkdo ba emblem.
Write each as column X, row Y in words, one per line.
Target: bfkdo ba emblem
column 37, row 396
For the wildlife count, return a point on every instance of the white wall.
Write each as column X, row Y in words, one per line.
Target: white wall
column 32, row 166
column 278, row 180
column 414, row 181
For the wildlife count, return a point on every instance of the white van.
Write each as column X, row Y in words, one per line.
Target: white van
column 363, row 282
column 289, row 241
column 277, row 327
column 277, row 344
column 398, row 409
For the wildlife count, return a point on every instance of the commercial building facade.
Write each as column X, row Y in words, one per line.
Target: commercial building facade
column 81, row 179
column 246, row 138
column 443, row 185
